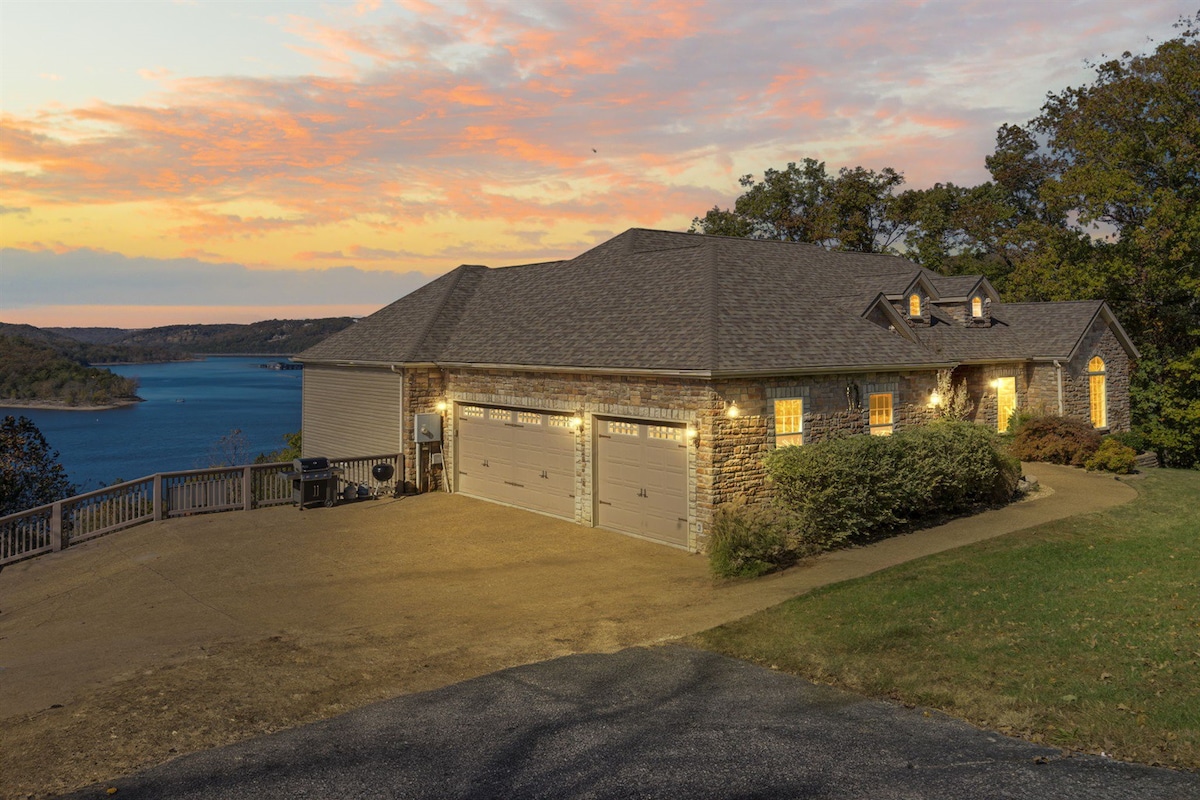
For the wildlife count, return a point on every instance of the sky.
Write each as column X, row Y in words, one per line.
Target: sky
column 196, row 162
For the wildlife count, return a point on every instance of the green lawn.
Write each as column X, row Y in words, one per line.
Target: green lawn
column 1084, row 633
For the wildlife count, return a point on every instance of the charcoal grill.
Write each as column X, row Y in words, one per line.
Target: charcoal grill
column 313, row 482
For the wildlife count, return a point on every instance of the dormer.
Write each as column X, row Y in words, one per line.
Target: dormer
column 884, row 313
column 916, row 301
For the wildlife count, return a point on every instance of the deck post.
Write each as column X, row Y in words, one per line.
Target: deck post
column 56, row 526
column 158, row 497
column 247, row 494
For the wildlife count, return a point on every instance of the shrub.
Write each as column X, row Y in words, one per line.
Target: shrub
column 1058, row 440
column 1113, row 456
column 748, row 541
column 864, row 486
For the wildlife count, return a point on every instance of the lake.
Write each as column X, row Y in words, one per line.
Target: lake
column 189, row 406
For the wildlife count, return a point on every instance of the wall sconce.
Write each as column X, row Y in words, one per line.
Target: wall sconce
column 732, row 410
column 691, row 435
column 996, row 383
column 577, row 421
column 442, row 406
column 935, row 399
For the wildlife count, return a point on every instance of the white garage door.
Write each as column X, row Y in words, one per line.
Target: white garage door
column 523, row 458
column 641, row 481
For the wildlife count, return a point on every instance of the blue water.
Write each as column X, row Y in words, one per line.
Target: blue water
column 163, row 434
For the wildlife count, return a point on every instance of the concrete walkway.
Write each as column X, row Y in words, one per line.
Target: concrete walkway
column 200, row 631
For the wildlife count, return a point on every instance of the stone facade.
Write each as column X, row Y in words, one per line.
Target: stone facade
column 1037, row 383
column 725, row 455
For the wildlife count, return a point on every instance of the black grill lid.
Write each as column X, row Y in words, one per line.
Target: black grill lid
column 310, row 464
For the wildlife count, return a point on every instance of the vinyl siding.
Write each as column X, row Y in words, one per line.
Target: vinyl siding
column 351, row 411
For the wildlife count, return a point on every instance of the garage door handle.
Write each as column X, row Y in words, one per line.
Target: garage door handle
column 518, row 485
column 603, row 503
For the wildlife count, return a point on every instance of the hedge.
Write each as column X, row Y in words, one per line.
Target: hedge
column 862, row 487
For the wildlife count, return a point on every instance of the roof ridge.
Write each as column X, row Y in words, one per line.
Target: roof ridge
column 457, row 275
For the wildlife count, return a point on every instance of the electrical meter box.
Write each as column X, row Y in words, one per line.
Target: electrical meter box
column 427, row 428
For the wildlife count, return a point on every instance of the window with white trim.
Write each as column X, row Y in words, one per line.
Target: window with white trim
column 880, row 414
column 789, row 421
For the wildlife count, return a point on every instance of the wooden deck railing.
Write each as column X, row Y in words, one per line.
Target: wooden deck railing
column 52, row 527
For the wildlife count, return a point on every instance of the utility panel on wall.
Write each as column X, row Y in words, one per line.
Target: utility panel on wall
column 427, row 428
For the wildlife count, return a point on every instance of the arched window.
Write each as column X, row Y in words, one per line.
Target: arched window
column 914, row 305
column 1097, row 390
column 976, row 307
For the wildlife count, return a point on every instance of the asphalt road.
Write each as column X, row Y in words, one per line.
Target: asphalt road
column 643, row 723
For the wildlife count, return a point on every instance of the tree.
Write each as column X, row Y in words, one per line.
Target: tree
column 802, row 203
column 30, row 474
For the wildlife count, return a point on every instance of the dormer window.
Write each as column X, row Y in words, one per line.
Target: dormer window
column 976, row 307
column 914, row 305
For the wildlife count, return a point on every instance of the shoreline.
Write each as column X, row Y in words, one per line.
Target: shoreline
column 62, row 405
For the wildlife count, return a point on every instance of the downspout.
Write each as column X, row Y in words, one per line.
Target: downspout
column 400, row 444
column 1058, row 367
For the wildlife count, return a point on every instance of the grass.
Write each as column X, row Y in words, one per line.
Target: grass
column 1083, row 633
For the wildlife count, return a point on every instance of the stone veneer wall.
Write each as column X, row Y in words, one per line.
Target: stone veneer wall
column 725, row 462
column 1037, row 383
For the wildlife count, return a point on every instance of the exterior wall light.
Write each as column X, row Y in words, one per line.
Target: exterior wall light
column 935, row 399
column 442, row 406
column 690, row 433
column 733, row 410
column 577, row 422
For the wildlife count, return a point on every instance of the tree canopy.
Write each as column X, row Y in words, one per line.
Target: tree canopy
column 1097, row 197
column 30, row 474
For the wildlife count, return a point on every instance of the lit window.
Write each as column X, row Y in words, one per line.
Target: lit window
column 880, row 406
column 789, row 422
column 623, row 428
column 914, row 305
column 528, row 418
column 472, row 411
column 558, row 421
column 668, row 433
column 1006, row 402
column 1097, row 389
column 976, row 307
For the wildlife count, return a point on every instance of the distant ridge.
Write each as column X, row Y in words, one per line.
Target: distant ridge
column 273, row 337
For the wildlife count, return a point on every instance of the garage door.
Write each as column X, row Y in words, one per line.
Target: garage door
column 641, row 481
column 523, row 458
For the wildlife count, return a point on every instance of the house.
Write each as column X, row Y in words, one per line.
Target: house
column 637, row 386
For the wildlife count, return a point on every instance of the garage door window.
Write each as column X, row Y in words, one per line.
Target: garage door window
column 665, row 433
column 622, row 429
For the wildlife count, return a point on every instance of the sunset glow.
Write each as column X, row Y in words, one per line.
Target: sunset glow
column 185, row 162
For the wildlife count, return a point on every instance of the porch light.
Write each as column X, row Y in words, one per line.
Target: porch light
column 442, row 406
column 996, row 384
column 690, row 433
column 733, row 410
column 577, row 422
column 935, row 399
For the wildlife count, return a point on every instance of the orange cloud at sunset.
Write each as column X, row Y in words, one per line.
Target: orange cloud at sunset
column 409, row 137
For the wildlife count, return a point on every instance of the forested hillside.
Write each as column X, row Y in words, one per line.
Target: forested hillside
column 269, row 337
column 89, row 353
column 36, row 372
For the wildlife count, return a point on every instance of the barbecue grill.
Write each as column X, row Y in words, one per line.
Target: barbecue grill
column 313, row 481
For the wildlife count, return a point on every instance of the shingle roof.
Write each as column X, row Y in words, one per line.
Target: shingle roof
column 657, row 300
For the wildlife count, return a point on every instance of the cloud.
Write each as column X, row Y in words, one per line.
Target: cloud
column 14, row 210
column 548, row 113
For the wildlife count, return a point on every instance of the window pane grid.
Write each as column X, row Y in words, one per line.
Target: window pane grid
column 789, row 422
